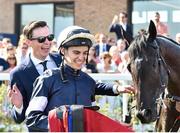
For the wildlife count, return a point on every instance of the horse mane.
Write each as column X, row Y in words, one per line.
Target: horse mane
column 168, row 39
column 139, row 43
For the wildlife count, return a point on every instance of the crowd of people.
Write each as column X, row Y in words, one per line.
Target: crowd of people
column 75, row 53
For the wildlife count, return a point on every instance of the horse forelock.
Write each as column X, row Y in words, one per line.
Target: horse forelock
column 137, row 46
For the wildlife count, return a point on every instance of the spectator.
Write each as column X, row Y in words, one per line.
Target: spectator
column 106, row 64
column 102, row 46
column 115, row 55
column 3, row 66
column 116, row 25
column 12, row 61
column 22, row 50
column 6, row 41
column 111, row 41
column 123, row 65
column 161, row 28
column 178, row 38
column 121, row 45
column 90, row 67
column 10, row 49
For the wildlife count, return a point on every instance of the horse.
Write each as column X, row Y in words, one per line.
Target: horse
column 155, row 68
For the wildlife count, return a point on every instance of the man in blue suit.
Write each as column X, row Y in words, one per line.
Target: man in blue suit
column 38, row 37
column 102, row 46
column 116, row 26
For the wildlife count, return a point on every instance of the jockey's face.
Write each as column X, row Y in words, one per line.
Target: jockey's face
column 75, row 56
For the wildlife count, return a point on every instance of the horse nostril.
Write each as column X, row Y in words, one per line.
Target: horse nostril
column 144, row 115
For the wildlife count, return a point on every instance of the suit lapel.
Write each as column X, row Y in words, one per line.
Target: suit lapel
column 57, row 59
column 31, row 70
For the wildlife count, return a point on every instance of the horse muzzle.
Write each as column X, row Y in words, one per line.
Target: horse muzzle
column 145, row 116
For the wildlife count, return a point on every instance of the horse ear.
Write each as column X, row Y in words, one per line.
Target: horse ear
column 152, row 32
column 126, row 36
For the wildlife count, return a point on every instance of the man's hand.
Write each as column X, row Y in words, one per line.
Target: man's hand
column 15, row 96
column 126, row 89
column 115, row 19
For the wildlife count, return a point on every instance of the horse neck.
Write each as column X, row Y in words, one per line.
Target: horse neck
column 170, row 51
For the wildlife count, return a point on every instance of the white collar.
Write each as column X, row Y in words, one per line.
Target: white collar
column 37, row 61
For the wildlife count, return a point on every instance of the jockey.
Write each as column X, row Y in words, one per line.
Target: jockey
column 67, row 85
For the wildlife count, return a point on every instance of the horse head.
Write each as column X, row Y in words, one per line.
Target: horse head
column 149, row 73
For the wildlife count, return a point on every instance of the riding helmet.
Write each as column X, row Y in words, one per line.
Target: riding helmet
column 75, row 36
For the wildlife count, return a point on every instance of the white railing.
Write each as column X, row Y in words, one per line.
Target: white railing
column 98, row 76
column 4, row 76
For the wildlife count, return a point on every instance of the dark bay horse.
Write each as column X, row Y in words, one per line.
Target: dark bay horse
column 155, row 68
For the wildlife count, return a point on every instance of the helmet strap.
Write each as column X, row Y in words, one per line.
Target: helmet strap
column 62, row 73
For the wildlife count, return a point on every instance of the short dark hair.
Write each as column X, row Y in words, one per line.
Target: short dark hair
column 28, row 29
column 157, row 13
column 124, row 13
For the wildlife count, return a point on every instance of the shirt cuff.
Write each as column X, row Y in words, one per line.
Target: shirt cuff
column 115, row 89
column 19, row 110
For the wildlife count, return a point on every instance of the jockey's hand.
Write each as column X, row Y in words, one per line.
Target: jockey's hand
column 15, row 96
column 126, row 89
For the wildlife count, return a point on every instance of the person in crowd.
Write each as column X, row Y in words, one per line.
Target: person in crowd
column 22, row 50
column 178, row 38
column 111, row 41
column 106, row 65
column 37, row 36
column 123, row 65
column 90, row 67
column 6, row 41
column 121, row 45
column 114, row 52
column 12, row 61
column 54, row 48
column 10, row 49
column 122, row 22
column 3, row 66
column 102, row 46
column 66, row 85
column 161, row 28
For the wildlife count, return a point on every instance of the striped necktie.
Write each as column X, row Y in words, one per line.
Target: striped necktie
column 44, row 65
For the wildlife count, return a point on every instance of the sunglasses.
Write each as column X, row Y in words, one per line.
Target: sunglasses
column 24, row 47
column 11, row 58
column 8, row 49
column 42, row 39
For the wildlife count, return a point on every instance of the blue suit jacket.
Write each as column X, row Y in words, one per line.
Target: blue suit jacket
column 97, row 48
column 117, row 29
column 4, row 64
column 24, row 76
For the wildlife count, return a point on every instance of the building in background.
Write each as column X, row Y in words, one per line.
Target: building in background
column 95, row 15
